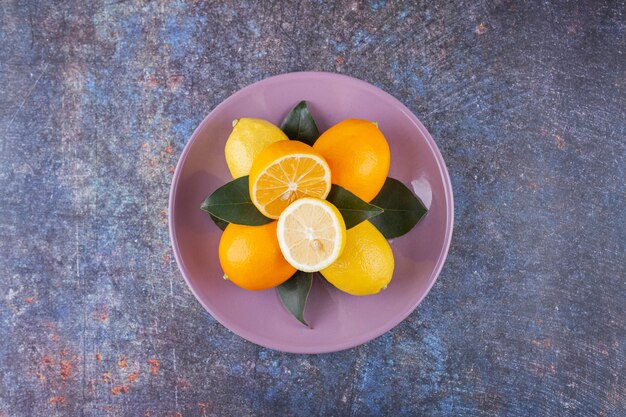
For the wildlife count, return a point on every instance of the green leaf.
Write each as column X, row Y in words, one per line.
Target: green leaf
column 294, row 292
column 299, row 125
column 401, row 209
column 231, row 204
column 219, row 222
column 352, row 208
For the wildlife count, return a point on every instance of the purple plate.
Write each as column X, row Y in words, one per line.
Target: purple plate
column 339, row 321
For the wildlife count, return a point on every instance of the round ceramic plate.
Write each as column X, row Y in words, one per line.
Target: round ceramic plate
column 338, row 321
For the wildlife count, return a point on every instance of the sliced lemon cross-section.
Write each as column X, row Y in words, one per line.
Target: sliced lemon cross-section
column 284, row 172
column 311, row 234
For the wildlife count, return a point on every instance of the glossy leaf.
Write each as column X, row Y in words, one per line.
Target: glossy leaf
column 294, row 292
column 219, row 222
column 299, row 125
column 352, row 208
column 231, row 203
column 401, row 209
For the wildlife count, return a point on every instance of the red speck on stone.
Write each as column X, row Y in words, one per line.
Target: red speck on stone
column 106, row 377
column 102, row 313
column 560, row 142
column 150, row 80
column 480, row 29
column 66, row 370
column 119, row 389
column 91, row 386
column 574, row 28
column 183, row 383
column 601, row 413
column 55, row 338
column 154, row 366
column 174, row 81
column 166, row 258
column 48, row 361
column 122, row 363
column 543, row 343
column 169, row 149
column 533, row 186
column 98, row 357
column 29, row 300
column 147, row 414
column 132, row 377
column 340, row 60
column 56, row 400
column 64, row 352
column 536, row 369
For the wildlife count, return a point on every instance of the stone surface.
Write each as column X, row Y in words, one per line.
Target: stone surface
column 526, row 101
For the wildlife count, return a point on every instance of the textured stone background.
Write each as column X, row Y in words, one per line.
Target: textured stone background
column 526, row 101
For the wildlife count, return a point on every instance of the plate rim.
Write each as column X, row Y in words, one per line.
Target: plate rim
column 366, row 336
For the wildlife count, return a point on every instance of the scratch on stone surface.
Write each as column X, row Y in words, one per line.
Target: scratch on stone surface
column 30, row 92
column 176, row 373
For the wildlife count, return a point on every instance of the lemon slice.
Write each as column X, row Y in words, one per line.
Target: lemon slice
column 311, row 234
column 284, row 172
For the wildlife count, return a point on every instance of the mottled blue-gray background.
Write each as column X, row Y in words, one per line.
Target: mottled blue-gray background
column 526, row 101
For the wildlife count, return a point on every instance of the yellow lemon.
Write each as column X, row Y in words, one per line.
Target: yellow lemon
column 366, row 265
column 248, row 138
column 358, row 155
column 311, row 234
column 284, row 172
column 251, row 258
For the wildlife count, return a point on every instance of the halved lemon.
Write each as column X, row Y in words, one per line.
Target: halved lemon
column 284, row 172
column 311, row 234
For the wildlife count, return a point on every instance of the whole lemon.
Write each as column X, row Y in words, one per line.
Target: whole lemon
column 248, row 138
column 251, row 258
column 366, row 265
column 358, row 155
